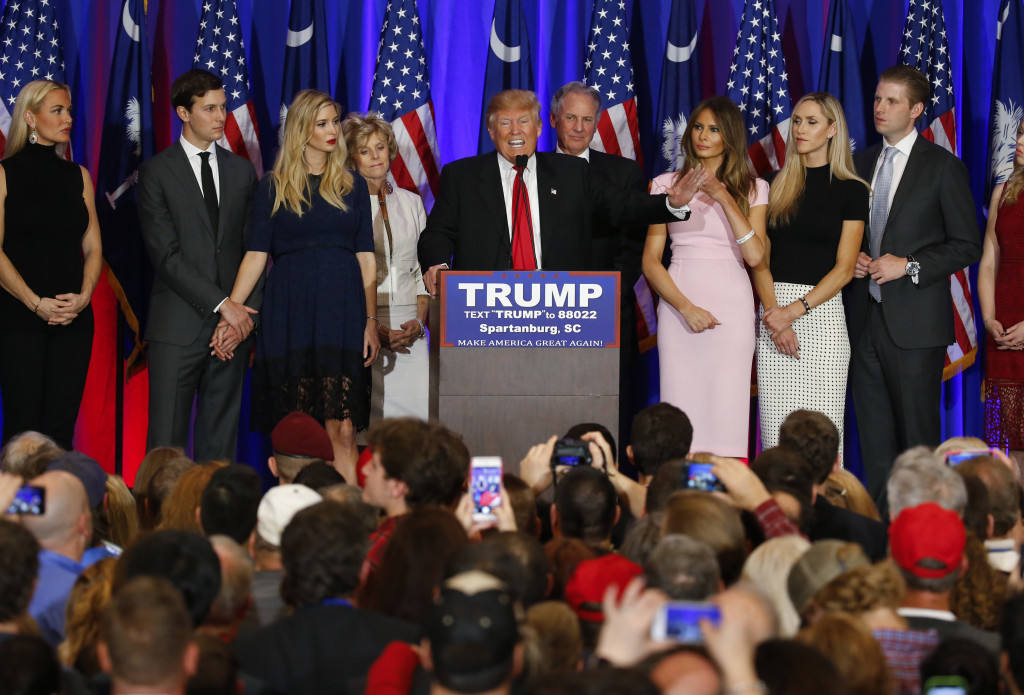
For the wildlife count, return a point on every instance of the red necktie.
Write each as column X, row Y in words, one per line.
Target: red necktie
column 523, row 257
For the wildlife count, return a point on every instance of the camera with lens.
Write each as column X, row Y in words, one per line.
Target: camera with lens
column 571, row 452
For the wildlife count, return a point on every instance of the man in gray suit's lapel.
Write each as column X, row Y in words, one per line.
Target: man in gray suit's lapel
column 922, row 230
column 193, row 206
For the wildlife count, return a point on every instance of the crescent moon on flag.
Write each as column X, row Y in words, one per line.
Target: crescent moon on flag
column 130, row 27
column 297, row 38
column 680, row 54
column 509, row 54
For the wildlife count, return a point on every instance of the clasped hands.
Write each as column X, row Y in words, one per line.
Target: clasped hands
column 779, row 322
column 883, row 269
column 61, row 309
column 235, row 326
column 404, row 336
column 1011, row 338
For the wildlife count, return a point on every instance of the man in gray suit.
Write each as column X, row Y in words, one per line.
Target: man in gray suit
column 193, row 206
column 922, row 230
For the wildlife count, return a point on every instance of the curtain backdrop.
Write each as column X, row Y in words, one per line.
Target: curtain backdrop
column 456, row 34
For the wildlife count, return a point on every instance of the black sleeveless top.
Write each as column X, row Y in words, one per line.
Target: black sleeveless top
column 45, row 218
column 804, row 250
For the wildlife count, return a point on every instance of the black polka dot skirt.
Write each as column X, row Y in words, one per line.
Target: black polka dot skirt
column 815, row 381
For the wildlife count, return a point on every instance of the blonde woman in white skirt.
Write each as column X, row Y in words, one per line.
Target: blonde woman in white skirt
column 817, row 208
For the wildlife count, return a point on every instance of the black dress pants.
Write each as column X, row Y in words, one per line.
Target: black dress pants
column 42, row 378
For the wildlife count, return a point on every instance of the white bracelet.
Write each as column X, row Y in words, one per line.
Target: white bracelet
column 423, row 329
column 748, row 237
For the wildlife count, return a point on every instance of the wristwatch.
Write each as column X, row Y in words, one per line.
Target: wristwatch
column 913, row 269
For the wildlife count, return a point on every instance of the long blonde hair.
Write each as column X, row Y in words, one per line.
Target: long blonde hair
column 1014, row 184
column 736, row 171
column 788, row 187
column 291, row 185
column 30, row 98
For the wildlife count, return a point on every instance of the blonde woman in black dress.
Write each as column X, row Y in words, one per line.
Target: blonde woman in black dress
column 817, row 207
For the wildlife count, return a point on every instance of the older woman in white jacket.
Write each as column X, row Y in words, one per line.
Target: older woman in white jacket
column 401, row 379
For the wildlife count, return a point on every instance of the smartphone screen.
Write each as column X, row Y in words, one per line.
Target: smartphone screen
column 30, row 499
column 955, row 458
column 679, row 621
column 485, row 482
column 700, row 477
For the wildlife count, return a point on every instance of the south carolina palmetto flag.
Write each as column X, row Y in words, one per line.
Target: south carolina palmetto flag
column 925, row 47
column 759, row 85
column 220, row 50
column 1007, row 91
column 401, row 95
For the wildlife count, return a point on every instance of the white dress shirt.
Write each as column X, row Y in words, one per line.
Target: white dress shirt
column 899, row 165
column 195, row 161
column 585, row 154
column 192, row 152
column 508, row 177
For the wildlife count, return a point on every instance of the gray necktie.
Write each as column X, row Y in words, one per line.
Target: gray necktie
column 880, row 212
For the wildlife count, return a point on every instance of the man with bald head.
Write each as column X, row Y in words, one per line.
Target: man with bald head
column 63, row 532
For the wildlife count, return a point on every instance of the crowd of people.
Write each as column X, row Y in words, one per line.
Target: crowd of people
column 374, row 572
column 783, row 579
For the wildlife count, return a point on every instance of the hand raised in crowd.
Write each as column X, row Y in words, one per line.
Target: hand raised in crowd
column 733, row 642
column 698, row 319
column 535, row 468
column 601, row 457
column 743, row 489
column 9, row 484
column 684, row 188
column 504, row 517
column 860, row 270
column 625, row 637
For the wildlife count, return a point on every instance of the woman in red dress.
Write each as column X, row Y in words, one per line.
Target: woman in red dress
column 1001, row 294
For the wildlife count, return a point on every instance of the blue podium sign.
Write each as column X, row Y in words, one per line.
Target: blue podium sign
column 536, row 308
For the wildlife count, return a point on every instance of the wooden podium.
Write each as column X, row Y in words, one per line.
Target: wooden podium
column 504, row 399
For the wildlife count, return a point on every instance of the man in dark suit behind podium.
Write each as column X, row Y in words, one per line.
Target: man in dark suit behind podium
column 575, row 111
column 472, row 223
column 194, row 208
column 922, row 230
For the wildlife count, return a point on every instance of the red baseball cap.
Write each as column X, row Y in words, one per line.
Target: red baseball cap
column 585, row 590
column 928, row 541
column 299, row 434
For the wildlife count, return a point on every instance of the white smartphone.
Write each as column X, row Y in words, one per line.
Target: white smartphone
column 679, row 621
column 485, row 486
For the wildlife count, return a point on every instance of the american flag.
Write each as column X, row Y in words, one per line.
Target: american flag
column 401, row 95
column 609, row 69
column 220, row 50
column 924, row 47
column 759, row 85
column 30, row 49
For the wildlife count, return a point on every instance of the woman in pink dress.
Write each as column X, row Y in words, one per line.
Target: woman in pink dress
column 706, row 318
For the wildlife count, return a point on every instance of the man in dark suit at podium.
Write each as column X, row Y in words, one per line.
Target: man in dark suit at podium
column 575, row 111
column 525, row 210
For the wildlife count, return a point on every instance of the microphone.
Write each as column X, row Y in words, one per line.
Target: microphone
column 521, row 160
